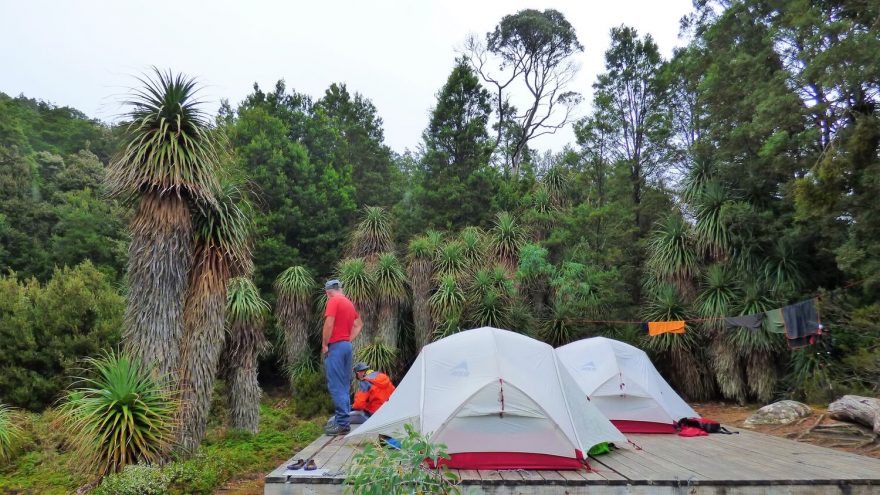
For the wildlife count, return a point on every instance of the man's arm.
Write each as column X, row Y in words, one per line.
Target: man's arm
column 356, row 328
column 325, row 334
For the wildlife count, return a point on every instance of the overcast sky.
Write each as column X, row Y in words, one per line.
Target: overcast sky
column 397, row 53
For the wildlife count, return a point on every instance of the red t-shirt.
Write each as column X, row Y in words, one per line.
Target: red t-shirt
column 341, row 308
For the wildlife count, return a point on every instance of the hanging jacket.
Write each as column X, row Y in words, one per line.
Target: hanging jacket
column 372, row 392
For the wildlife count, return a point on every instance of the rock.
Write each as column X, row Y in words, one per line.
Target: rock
column 779, row 413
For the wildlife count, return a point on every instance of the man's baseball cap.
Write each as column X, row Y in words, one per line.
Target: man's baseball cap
column 361, row 367
column 332, row 284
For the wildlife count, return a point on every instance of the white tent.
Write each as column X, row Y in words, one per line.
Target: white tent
column 498, row 400
column 620, row 380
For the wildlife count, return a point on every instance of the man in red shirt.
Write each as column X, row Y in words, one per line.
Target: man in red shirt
column 342, row 324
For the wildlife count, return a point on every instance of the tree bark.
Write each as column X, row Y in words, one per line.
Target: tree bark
column 856, row 409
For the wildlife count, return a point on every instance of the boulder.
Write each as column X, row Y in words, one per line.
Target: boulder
column 856, row 409
column 779, row 413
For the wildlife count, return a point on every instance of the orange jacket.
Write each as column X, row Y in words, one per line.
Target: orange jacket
column 372, row 392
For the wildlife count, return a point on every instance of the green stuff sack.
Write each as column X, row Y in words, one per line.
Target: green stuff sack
column 599, row 449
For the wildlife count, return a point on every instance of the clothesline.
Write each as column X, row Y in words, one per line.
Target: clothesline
column 708, row 318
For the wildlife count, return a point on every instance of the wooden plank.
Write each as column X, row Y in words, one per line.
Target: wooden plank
column 663, row 468
column 551, row 476
column 469, row 475
column 696, row 455
column 491, row 476
column 511, row 475
column 809, row 461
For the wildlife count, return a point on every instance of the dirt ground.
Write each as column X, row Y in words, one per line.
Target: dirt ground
column 816, row 429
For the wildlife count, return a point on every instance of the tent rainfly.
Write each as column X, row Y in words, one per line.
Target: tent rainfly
column 620, row 380
column 498, row 400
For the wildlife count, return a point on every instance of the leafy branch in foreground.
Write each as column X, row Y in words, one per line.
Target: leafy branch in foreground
column 381, row 470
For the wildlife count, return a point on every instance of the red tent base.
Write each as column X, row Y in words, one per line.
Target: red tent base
column 626, row 426
column 512, row 460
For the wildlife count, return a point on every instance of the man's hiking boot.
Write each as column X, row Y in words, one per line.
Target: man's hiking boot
column 334, row 430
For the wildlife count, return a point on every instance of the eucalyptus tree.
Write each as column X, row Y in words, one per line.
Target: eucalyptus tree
column 170, row 158
column 529, row 53
column 222, row 231
column 246, row 314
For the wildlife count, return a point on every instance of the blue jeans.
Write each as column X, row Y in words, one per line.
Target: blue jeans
column 337, row 365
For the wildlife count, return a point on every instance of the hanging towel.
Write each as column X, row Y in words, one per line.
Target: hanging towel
column 774, row 322
column 657, row 327
column 752, row 322
column 801, row 319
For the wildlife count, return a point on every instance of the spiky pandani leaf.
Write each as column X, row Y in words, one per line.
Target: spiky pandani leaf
column 390, row 280
column 711, row 232
column 246, row 314
column 373, row 235
column 226, row 225
column 170, row 148
column 556, row 182
column 782, row 270
column 378, row 356
column 391, row 295
column 447, row 305
column 672, row 253
column 450, row 260
column 719, row 292
column 307, row 364
column 296, row 289
column 421, row 272
column 473, row 242
column 702, row 172
column 10, row 431
column 119, row 414
column 505, row 239
column 560, row 328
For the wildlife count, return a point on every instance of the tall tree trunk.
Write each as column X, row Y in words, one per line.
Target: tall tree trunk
column 204, row 321
column 245, row 343
column 387, row 329
column 242, row 388
column 420, row 280
column 159, row 260
column 292, row 312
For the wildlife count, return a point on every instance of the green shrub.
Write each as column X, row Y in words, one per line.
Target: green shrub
column 379, row 470
column 119, row 415
column 312, row 398
column 46, row 329
column 134, row 480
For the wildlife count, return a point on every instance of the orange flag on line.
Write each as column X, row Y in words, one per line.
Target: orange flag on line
column 658, row 327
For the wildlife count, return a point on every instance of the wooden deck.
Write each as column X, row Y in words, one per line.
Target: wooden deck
column 748, row 463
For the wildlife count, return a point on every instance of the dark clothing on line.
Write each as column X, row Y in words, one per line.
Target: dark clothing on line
column 752, row 322
column 801, row 319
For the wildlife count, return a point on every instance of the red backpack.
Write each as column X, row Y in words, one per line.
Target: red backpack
column 707, row 425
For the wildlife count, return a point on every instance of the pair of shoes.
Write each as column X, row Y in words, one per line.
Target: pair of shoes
column 335, row 430
column 297, row 463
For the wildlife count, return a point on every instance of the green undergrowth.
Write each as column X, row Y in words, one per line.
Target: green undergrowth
column 44, row 465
